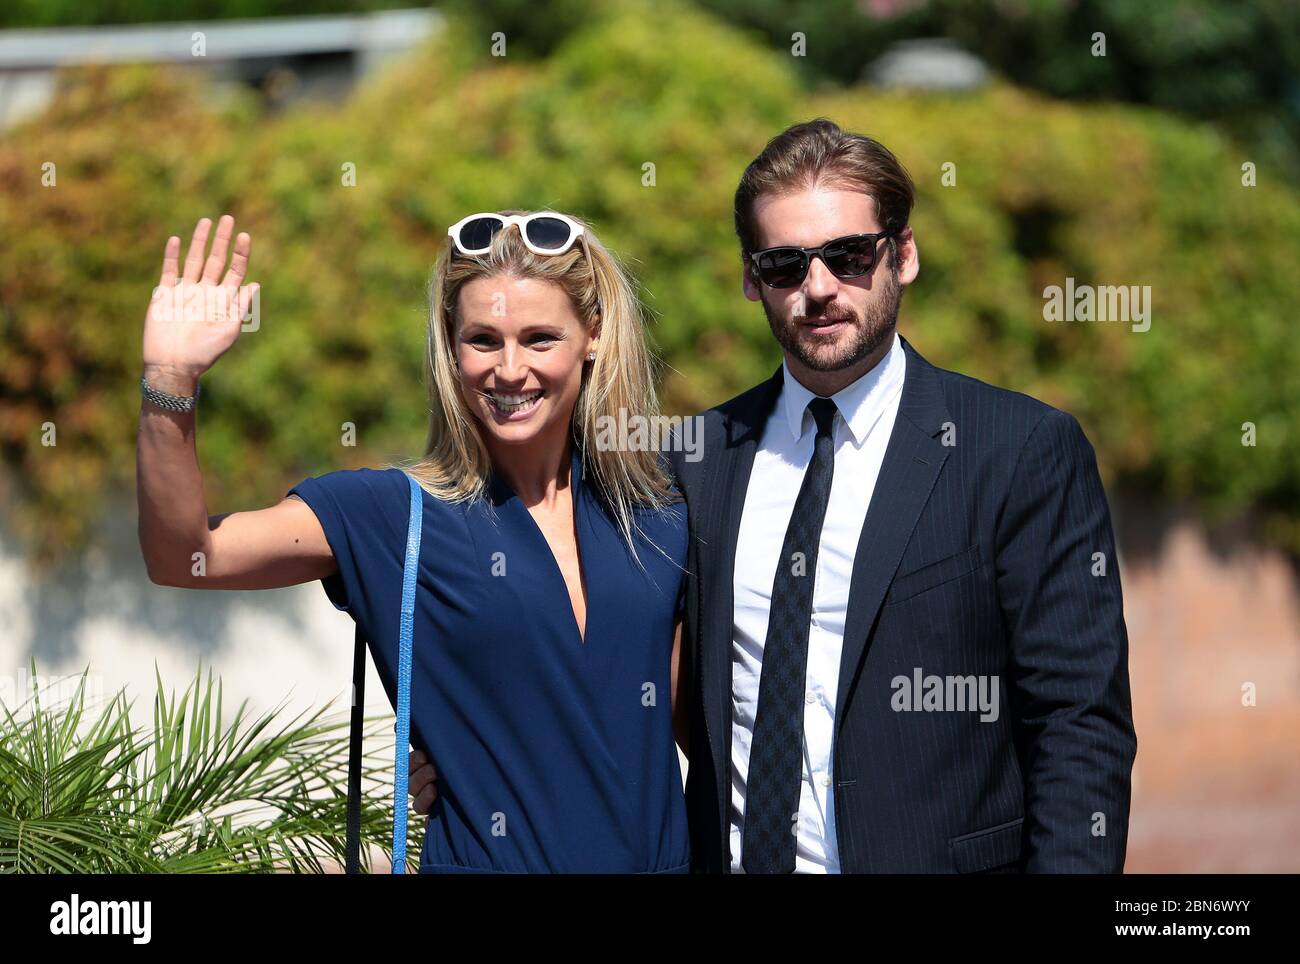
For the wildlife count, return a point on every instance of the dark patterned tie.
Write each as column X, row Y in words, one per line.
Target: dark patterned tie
column 775, row 758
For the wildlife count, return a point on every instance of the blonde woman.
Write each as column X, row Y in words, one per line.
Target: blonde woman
column 547, row 635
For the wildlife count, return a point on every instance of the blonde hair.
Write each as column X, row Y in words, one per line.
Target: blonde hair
column 456, row 464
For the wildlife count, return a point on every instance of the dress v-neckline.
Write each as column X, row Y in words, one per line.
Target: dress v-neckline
column 576, row 495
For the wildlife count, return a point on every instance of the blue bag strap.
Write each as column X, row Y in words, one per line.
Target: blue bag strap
column 406, row 629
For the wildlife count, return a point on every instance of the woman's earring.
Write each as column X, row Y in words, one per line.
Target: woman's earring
column 591, row 356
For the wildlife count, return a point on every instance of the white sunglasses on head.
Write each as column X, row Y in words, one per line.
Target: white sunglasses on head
column 543, row 232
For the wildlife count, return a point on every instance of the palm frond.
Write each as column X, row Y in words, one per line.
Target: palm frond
column 86, row 792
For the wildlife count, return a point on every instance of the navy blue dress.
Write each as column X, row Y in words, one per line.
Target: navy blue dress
column 553, row 755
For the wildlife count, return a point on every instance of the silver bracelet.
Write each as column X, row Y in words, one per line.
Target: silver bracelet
column 173, row 403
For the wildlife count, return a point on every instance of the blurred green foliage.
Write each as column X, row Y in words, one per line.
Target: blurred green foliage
column 1044, row 190
column 1237, row 64
column 79, row 13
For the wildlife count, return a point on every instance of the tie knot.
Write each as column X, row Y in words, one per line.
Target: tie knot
column 823, row 412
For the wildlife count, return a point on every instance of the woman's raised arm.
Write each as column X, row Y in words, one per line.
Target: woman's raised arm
column 193, row 319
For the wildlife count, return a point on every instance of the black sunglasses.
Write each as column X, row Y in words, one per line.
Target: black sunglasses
column 786, row 266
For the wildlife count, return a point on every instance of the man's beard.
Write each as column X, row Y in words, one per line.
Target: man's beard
column 866, row 335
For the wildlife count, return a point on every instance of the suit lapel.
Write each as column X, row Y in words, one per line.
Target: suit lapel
column 912, row 462
column 913, row 459
column 726, row 485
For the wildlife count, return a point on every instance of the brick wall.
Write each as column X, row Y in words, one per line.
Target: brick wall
column 1216, row 783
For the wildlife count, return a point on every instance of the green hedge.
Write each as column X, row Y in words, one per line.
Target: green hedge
column 1112, row 196
column 1107, row 195
column 79, row 13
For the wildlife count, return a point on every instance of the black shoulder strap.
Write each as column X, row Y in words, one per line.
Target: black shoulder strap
column 353, row 865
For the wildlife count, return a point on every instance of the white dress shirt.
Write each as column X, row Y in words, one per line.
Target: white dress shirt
column 866, row 412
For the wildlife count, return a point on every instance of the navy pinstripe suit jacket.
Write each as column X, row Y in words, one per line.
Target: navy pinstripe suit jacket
column 978, row 558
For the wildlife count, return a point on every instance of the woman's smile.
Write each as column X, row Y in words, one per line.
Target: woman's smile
column 513, row 407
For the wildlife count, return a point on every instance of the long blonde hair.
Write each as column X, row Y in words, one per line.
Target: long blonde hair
column 456, row 463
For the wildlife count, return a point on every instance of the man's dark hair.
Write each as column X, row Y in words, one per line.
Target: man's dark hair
column 818, row 152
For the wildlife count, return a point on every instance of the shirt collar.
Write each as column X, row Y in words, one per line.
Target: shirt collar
column 859, row 403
